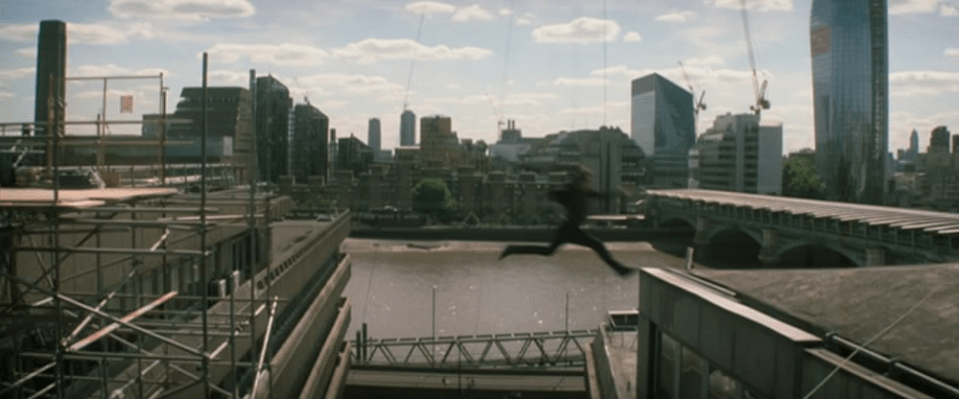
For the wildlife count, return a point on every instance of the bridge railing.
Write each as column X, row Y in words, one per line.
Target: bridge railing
column 553, row 349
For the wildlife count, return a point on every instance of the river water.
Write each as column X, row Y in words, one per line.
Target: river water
column 393, row 284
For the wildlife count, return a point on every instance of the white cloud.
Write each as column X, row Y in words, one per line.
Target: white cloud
column 580, row 30
column 472, row 13
column 951, row 52
column 181, row 9
column 98, row 34
column 16, row 73
column 675, row 16
column 367, row 85
column 225, row 77
column 898, row 7
column 453, row 86
column 704, row 61
column 115, row 70
column 523, row 21
column 632, row 37
column 372, row 50
column 528, row 99
column 19, row 32
column 430, row 7
column 757, row 5
column 923, row 83
column 595, row 109
column 6, row 94
column 581, row 82
column 505, row 11
column 704, row 77
column 275, row 54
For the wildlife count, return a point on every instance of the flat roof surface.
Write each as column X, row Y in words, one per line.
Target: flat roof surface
column 902, row 218
column 859, row 303
column 31, row 198
column 289, row 232
column 621, row 350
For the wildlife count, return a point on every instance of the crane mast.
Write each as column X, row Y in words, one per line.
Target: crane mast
column 759, row 91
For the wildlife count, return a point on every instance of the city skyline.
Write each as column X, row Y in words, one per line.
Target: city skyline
column 547, row 61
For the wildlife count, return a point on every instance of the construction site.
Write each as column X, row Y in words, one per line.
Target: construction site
column 153, row 279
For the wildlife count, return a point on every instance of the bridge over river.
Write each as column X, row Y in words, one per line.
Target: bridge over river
column 865, row 235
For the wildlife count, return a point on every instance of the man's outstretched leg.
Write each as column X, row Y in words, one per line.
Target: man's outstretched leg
column 583, row 238
column 544, row 250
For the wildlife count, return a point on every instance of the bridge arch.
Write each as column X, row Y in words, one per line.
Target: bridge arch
column 854, row 257
column 673, row 218
column 732, row 246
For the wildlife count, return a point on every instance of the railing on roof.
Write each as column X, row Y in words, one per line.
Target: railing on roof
column 535, row 349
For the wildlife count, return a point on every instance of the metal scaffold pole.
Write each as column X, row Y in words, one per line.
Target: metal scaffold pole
column 205, row 362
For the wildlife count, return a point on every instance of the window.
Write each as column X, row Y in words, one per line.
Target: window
column 666, row 366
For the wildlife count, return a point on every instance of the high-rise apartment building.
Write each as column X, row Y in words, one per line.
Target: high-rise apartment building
column 438, row 142
column 850, row 71
column 310, row 147
column 373, row 137
column 407, row 128
column 663, row 125
column 737, row 154
column 273, row 105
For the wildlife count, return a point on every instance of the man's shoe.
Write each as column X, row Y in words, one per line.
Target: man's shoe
column 624, row 271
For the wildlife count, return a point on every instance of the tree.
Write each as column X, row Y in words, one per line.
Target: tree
column 800, row 179
column 432, row 196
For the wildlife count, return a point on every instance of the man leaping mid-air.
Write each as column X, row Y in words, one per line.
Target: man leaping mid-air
column 573, row 196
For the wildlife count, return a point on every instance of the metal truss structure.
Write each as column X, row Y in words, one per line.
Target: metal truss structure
column 551, row 348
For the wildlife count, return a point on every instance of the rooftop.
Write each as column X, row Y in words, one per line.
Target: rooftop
column 857, row 304
column 33, row 198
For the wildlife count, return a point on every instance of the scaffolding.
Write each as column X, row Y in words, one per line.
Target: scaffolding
column 141, row 292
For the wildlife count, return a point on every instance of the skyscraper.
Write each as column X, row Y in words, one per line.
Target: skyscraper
column 850, row 71
column 663, row 126
column 51, row 73
column 373, row 136
column 407, row 128
column 273, row 105
column 310, row 154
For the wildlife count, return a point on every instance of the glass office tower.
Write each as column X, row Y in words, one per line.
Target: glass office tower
column 850, row 70
column 663, row 126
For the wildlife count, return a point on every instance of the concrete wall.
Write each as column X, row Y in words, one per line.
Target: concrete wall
column 696, row 333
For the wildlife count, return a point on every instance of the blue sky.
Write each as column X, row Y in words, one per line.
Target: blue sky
column 548, row 65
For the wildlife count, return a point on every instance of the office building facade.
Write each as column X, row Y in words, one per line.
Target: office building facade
column 737, row 154
column 663, row 125
column 310, row 146
column 229, row 128
column 438, row 142
column 407, row 128
column 273, row 105
column 850, row 71
column 373, row 137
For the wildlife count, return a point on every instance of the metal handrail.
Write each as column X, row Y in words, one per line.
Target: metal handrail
column 475, row 351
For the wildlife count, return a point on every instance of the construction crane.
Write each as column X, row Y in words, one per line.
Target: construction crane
column 499, row 119
column 759, row 91
column 700, row 105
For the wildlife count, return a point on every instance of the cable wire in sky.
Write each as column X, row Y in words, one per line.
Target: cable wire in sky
column 409, row 79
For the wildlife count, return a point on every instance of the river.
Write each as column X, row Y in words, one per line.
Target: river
column 392, row 287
